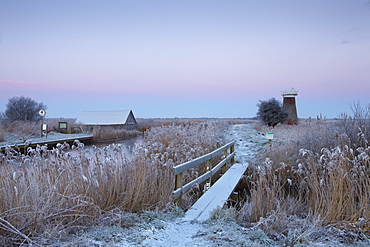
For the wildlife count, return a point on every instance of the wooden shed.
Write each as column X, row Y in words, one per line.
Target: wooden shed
column 121, row 119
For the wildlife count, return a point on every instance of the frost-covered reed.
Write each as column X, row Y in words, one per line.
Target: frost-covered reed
column 104, row 133
column 47, row 193
column 21, row 128
column 318, row 168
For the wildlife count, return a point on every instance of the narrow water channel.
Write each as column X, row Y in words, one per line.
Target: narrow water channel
column 128, row 144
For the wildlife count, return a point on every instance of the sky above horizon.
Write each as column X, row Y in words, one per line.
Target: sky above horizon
column 206, row 58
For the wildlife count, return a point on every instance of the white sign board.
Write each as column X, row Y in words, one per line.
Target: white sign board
column 269, row 136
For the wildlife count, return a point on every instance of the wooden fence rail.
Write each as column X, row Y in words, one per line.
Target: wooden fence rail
column 181, row 189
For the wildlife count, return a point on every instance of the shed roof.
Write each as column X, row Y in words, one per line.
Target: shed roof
column 103, row 117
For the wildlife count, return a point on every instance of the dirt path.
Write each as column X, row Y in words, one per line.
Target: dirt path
column 248, row 141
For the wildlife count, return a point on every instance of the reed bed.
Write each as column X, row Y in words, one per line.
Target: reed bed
column 21, row 128
column 316, row 170
column 147, row 123
column 47, row 194
column 104, row 133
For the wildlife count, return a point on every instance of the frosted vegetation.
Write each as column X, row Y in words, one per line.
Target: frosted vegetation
column 46, row 194
column 314, row 175
column 18, row 130
column 309, row 188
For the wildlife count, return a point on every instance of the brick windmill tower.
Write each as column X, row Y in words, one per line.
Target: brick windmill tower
column 289, row 105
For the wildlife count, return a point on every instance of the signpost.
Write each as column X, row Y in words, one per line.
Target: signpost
column 45, row 130
column 63, row 127
column 44, row 127
column 269, row 137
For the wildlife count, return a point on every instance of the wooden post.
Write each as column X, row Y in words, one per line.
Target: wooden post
column 232, row 151
column 178, row 184
column 209, row 167
column 208, row 181
column 224, row 167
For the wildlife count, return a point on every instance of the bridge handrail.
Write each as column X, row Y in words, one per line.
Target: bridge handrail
column 181, row 189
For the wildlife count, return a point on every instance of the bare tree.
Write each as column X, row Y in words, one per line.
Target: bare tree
column 23, row 108
column 271, row 112
column 357, row 126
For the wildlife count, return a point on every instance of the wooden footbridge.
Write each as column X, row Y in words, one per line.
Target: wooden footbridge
column 215, row 194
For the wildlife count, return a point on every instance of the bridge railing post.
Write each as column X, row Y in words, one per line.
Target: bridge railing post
column 181, row 188
column 224, row 167
column 209, row 180
column 232, row 149
column 178, row 185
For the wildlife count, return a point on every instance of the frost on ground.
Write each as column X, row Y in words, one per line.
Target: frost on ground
column 159, row 232
column 248, row 141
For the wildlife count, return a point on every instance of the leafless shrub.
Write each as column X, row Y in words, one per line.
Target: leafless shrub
column 357, row 126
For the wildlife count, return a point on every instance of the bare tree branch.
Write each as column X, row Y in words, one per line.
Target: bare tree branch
column 22, row 108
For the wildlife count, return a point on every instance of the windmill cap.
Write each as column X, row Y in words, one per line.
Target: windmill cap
column 289, row 92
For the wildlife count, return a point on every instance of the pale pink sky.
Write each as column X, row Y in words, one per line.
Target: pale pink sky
column 185, row 58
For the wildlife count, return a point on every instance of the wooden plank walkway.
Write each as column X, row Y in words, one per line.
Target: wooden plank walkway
column 217, row 195
column 69, row 139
